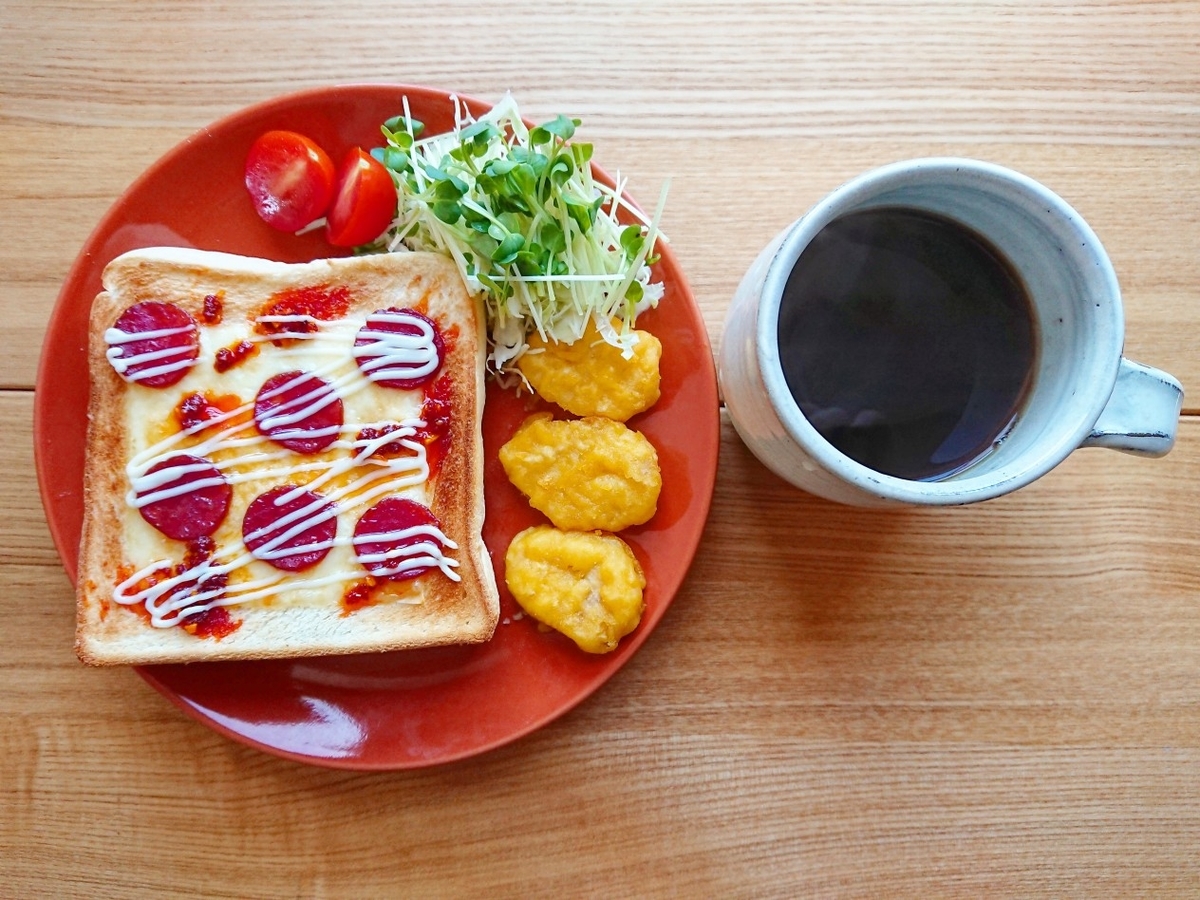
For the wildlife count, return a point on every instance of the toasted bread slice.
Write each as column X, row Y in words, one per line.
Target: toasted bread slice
column 150, row 592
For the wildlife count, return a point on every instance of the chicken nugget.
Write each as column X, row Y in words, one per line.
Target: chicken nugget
column 590, row 474
column 591, row 377
column 585, row 585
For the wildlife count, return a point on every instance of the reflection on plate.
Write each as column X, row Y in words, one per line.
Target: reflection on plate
column 408, row 708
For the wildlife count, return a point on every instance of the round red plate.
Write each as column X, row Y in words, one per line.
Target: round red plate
column 385, row 710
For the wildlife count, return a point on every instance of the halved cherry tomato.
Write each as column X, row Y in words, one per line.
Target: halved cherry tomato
column 364, row 201
column 290, row 179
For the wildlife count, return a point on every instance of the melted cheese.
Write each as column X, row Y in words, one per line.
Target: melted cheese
column 345, row 474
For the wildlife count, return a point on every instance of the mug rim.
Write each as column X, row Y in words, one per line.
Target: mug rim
column 957, row 488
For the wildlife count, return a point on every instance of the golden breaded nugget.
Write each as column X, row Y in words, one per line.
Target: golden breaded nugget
column 591, row 378
column 586, row 585
column 589, row 474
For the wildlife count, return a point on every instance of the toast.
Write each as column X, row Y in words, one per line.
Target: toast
column 282, row 459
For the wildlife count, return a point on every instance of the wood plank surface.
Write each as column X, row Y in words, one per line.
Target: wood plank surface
column 1001, row 700
column 871, row 712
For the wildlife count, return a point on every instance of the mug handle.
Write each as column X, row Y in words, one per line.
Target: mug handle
column 1142, row 414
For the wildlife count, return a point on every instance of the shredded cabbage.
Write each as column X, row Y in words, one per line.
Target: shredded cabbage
column 518, row 211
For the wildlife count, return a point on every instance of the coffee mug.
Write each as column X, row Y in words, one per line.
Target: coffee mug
column 1078, row 390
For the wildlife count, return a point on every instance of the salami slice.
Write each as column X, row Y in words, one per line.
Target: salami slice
column 153, row 344
column 400, row 539
column 300, row 411
column 183, row 496
column 399, row 348
column 291, row 535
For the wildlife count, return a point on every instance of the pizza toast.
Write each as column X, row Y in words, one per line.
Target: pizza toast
column 282, row 459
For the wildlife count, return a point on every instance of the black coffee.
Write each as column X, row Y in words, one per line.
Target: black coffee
column 908, row 341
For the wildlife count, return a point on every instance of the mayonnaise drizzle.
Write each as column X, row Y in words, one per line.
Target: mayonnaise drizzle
column 397, row 355
column 237, row 449
column 149, row 488
column 299, row 408
column 412, row 556
column 122, row 362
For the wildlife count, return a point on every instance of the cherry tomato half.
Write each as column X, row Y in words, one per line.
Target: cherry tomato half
column 364, row 201
column 290, row 179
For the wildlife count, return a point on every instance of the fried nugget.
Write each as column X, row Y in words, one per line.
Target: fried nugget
column 584, row 584
column 591, row 377
column 590, row 474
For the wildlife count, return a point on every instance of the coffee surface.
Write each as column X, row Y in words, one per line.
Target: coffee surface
column 907, row 340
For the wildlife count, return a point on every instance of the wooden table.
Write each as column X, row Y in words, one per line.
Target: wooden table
column 1002, row 699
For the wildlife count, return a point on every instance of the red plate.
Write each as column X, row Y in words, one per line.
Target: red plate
column 386, row 710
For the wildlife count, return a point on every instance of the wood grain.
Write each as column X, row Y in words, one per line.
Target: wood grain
column 1001, row 700
column 872, row 711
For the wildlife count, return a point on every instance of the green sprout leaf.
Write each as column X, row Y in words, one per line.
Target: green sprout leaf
column 508, row 249
column 450, row 189
column 394, row 159
column 500, row 167
column 632, row 240
column 400, row 123
column 552, row 237
column 562, row 169
column 447, row 211
column 528, row 225
column 560, row 127
column 480, row 134
column 440, row 175
column 582, row 154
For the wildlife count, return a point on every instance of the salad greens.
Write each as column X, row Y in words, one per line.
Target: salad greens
column 518, row 210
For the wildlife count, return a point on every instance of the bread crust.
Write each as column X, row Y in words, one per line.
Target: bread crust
column 429, row 610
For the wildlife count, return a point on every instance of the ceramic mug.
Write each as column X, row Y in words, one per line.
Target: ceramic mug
column 1084, row 393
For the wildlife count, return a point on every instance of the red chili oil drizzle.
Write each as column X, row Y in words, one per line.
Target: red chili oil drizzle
column 358, row 595
column 199, row 550
column 450, row 338
column 215, row 623
column 214, row 308
column 437, row 413
column 228, row 357
column 197, row 408
column 316, row 301
column 124, row 572
column 391, row 448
